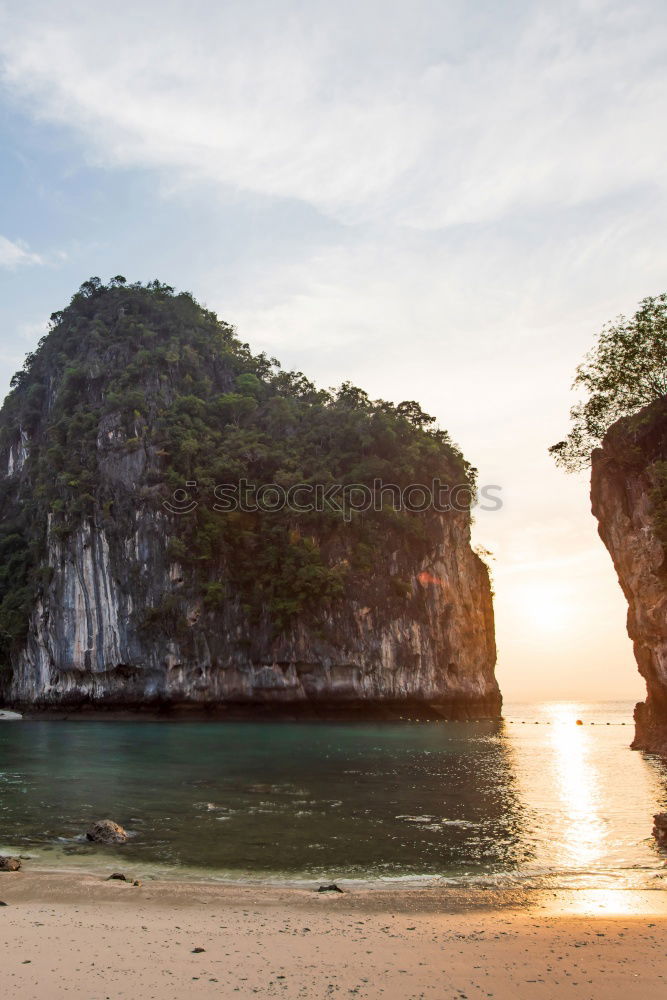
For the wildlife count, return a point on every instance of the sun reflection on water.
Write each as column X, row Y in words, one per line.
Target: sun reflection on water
column 582, row 827
column 583, row 785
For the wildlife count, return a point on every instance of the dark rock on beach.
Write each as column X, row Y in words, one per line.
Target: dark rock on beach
column 9, row 864
column 660, row 829
column 329, row 888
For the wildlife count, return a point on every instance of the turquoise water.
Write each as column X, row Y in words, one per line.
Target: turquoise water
column 532, row 800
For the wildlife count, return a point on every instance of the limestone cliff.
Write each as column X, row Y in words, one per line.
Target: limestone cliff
column 629, row 499
column 110, row 598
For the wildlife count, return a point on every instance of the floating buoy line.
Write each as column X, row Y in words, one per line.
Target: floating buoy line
column 519, row 722
column 548, row 722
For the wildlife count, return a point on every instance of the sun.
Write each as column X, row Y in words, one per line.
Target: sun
column 545, row 607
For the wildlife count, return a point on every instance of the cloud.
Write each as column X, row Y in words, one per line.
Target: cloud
column 433, row 116
column 14, row 255
column 503, row 315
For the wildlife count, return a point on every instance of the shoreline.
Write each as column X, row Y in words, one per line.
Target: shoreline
column 290, row 712
column 421, row 892
column 459, row 710
column 82, row 936
column 509, row 884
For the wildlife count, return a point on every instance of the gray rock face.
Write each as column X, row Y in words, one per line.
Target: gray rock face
column 86, row 643
column 627, row 487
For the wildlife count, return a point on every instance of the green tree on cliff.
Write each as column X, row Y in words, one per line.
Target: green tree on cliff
column 626, row 370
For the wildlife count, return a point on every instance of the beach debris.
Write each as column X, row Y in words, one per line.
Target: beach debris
column 137, row 881
column 3, row 903
column 198, row 951
column 118, row 876
column 105, row 831
column 660, row 829
column 579, row 722
column 329, row 888
column 9, row 864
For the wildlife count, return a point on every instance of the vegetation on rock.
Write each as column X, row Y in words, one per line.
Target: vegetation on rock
column 625, row 371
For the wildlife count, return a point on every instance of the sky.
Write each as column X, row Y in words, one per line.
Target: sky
column 441, row 201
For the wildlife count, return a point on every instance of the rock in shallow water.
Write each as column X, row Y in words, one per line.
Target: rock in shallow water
column 105, row 831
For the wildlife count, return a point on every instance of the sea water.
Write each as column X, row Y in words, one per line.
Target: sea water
column 535, row 800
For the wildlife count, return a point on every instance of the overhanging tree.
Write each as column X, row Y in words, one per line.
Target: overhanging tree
column 626, row 370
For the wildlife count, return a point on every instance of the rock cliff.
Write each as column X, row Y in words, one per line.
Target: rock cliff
column 121, row 584
column 629, row 499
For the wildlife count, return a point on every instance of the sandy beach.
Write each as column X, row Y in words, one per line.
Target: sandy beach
column 73, row 935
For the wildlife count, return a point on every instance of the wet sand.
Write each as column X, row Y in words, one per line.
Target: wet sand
column 72, row 935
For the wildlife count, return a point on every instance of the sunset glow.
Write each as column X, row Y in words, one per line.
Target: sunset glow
column 544, row 608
